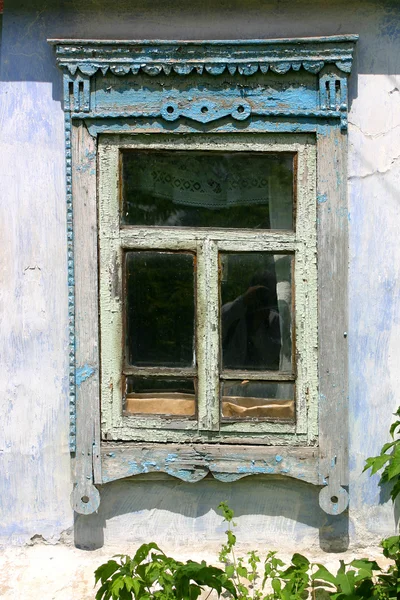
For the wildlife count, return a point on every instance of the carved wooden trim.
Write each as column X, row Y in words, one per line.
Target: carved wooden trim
column 118, row 87
column 242, row 57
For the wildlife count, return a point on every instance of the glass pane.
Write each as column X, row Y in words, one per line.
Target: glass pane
column 256, row 311
column 257, row 399
column 160, row 396
column 208, row 189
column 160, row 309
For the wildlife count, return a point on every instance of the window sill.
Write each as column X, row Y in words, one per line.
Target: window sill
column 193, row 462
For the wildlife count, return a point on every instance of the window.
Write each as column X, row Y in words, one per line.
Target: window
column 207, row 260
column 208, row 310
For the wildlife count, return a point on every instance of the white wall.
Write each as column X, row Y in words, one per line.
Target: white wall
column 35, row 480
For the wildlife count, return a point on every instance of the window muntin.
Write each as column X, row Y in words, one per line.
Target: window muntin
column 288, row 401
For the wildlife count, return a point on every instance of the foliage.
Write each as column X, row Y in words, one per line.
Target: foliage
column 388, row 460
column 152, row 575
column 359, row 579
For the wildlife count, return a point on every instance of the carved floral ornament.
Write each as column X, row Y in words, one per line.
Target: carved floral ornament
column 252, row 86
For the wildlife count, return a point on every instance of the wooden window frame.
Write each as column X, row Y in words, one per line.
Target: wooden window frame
column 206, row 244
column 107, row 105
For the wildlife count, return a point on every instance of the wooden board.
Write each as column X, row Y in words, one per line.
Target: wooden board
column 87, row 461
column 332, row 315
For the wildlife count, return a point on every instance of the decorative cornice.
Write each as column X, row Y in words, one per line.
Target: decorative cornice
column 242, row 57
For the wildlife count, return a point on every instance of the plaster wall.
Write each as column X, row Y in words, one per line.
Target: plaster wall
column 35, row 479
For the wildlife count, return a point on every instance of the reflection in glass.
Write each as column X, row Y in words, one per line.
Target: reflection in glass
column 257, row 399
column 256, row 311
column 160, row 396
column 207, row 189
column 159, row 308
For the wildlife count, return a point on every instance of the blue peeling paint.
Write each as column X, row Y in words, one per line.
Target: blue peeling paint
column 278, row 458
column 83, row 373
column 171, row 457
column 322, row 198
column 253, row 470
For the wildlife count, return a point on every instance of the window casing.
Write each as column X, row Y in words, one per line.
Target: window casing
column 251, row 97
column 208, row 245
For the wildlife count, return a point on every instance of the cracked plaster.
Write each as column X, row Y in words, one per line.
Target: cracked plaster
column 33, row 444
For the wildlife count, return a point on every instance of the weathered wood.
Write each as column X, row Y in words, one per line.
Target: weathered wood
column 111, row 109
column 208, row 336
column 161, row 371
column 193, row 462
column 207, row 243
column 333, row 218
column 257, row 375
column 87, row 461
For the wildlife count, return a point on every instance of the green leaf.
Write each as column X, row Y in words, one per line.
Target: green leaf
column 375, row 463
column 365, row 567
column 300, row 561
column 393, row 427
column 318, row 583
column 386, row 447
column 242, row 571
column 276, row 586
column 395, row 491
column 226, row 511
column 143, row 552
column 105, row 571
column 324, row 575
column 230, row 570
column 103, row 593
column 391, row 546
column 346, row 581
column 394, row 464
column 231, row 538
column 116, row 586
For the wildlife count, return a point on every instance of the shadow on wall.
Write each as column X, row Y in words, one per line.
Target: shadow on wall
column 267, row 511
column 128, row 508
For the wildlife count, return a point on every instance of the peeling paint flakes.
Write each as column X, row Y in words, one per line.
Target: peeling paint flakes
column 83, row 373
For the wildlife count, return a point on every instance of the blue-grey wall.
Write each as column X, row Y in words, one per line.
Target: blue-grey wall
column 35, row 480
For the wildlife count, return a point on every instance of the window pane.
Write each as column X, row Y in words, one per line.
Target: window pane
column 160, row 396
column 208, row 189
column 160, row 309
column 257, row 399
column 256, row 311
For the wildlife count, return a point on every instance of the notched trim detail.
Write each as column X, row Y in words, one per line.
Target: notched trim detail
column 243, row 57
column 192, row 462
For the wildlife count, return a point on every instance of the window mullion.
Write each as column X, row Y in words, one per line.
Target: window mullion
column 207, row 342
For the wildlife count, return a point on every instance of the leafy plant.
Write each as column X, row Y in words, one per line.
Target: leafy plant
column 152, row 575
column 388, row 460
column 301, row 579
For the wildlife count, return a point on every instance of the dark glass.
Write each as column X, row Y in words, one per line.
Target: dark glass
column 257, row 399
column 256, row 311
column 160, row 396
column 159, row 308
column 207, row 189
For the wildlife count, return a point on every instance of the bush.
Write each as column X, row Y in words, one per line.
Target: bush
column 152, row 575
